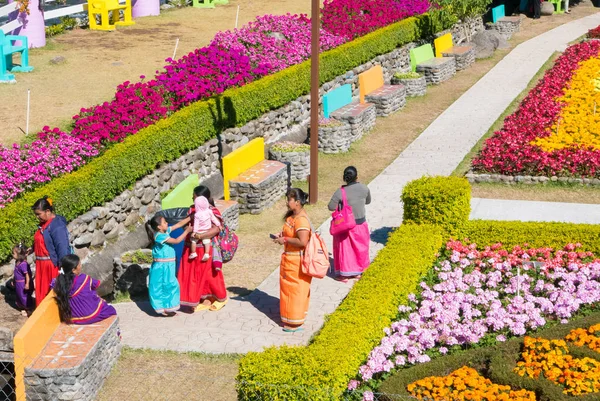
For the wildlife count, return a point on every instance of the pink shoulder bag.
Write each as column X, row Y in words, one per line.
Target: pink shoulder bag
column 342, row 220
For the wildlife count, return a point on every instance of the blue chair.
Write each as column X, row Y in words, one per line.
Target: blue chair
column 7, row 49
column 498, row 13
column 336, row 99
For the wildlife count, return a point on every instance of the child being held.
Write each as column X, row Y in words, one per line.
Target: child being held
column 76, row 295
column 23, row 281
column 204, row 218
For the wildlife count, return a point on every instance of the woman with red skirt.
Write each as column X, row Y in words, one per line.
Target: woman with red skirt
column 202, row 286
column 50, row 244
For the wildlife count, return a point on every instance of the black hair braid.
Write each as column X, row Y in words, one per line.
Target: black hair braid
column 350, row 174
column 62, row 287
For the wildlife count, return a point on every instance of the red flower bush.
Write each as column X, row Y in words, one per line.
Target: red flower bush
column 509, row 150
column 594, row 33
column 134, row 107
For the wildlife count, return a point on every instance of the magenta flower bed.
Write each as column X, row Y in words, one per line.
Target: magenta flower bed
column 481, row 297
column 351, row 18
column 53, row 154
column 509, row 150
column 274, row 43
column 234, row 58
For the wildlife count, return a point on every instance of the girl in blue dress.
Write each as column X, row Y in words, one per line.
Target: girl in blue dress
column 163, row 286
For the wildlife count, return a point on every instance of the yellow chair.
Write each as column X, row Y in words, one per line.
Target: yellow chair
column 102, row 7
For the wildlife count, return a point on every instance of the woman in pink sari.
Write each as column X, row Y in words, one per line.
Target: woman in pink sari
column 201, row 282
column 351, row 248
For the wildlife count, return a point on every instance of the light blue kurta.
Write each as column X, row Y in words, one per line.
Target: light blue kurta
column 163, row 286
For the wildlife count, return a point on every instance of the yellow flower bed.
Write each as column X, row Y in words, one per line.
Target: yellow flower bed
column 551, row 358
column 578, row 125
column 465, row 384
column 585, row 337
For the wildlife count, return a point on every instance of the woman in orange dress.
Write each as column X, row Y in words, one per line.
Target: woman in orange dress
column 294, row 285
column 50, row 244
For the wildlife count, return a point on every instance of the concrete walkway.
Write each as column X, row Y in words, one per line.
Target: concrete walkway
column 250, row 323
column 501, row 209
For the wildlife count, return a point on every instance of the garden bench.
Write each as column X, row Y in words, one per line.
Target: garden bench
column 102, row 8
column 181, row 196
column 386, row 98
column 558, row 6
column 463, row 55
column 361, row 117
column 506, row 26
column 56, row 361
column 255, row 183
column 435, row 69
column 8, row 48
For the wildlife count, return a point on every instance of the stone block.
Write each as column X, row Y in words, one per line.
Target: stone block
column 361, row 118
column 266, row 181
column 414, row 86
column 387, row 99
column 463, row 55
column 437, row 69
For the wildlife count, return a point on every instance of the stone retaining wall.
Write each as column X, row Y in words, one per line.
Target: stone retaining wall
column 81, row 383
column 507, row 26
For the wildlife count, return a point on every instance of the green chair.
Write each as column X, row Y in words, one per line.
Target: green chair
column 558, row 6
column 7, row 49
column 420, row 55
column 203, row 3
column 181, row 195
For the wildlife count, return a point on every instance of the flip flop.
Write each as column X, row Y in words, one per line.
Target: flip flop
column 217, row 306
column 341, row 279
column 296, row 330
column 201, row 307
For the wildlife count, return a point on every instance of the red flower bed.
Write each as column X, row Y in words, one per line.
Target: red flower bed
column 594, row 33
column 509, row 150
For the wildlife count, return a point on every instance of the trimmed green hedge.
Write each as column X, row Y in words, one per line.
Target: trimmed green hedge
column 321, row 371
column 445, row 201
column 497, row 363
column 513, row 233
column 125, row 163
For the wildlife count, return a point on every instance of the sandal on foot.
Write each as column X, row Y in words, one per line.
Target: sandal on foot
column 294, row 330
column 341, row 279
column 201, row 307
column 217, row 305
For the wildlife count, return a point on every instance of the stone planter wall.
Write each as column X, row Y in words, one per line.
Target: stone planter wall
column 414, row 86
column 298, row 161
column 506, row 26
column 459, row 32
column 80, row 383
column 528, row 179
column 130, row 277
column 335, row 138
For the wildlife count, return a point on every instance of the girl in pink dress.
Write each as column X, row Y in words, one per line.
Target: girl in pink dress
column 204, row 218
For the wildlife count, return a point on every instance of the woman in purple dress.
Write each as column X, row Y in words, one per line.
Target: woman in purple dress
column 76, row 295
column 23, row 281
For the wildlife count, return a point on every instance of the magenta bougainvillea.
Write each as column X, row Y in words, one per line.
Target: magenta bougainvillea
column 351, row 18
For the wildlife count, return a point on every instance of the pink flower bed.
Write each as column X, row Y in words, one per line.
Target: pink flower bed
column 509, row 150
column 481, row 297
column 276, row 42
column 234, row 58
column 351, row 18
column 53, row 154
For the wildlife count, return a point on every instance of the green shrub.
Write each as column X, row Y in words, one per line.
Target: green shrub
column 512, row 233
column 124, row 163
column 287, row 147
column 445, row 201
column 322, row 370
column 407, row 75
column 497, row 363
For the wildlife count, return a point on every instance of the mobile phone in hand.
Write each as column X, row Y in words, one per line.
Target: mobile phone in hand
column 273, row 236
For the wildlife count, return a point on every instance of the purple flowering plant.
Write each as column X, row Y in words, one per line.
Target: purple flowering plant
column 476, row 298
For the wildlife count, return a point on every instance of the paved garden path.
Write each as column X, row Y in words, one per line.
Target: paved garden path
column 249, row 323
